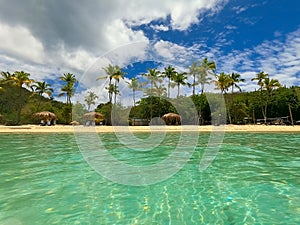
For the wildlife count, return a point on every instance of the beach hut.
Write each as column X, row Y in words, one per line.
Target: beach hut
column 46, row 117
column 93, row 118
column 172, row 119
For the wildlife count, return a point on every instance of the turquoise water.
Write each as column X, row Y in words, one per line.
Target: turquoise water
column 255, row 179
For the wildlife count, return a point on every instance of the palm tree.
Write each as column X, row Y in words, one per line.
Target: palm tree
column 119, row 74
column 269, row 85
column 179, row 79
column 134, row 85
column 111, row 72
column 90, row 99
column 223, row 82
column 19, row 78
column 112, row 90
column 68, row 89
column 160, row 90
column 235, row 79
column 6, row 77
column 41, row 88
column 169, row 73
column 205, row 69
column 193, row 70
column 153, row 76
column 260, row 77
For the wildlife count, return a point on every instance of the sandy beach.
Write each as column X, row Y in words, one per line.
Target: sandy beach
column 107, row 129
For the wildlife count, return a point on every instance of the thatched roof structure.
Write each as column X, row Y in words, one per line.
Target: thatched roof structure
column 93, row 115
column 45, row 115
column 172, row 119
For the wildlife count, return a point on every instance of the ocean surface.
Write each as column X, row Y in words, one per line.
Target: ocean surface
column 47, row 179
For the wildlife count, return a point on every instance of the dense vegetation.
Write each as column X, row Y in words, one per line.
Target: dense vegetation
column 21, row 97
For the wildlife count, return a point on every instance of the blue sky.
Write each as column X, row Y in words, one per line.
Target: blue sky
column 50, row 38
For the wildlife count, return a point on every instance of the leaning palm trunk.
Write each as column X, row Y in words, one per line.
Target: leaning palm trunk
column 20, row 105
column 228, row 108
column 194, row 84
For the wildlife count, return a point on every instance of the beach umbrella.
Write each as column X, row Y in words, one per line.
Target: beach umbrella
column 92, row 115
column 172, row 119
column 45, row 115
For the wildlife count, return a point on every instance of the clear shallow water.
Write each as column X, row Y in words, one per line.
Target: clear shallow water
column 255, row 179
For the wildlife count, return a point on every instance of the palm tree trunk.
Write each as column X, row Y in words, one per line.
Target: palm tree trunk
column 20, row 105
column 151, row 111
column 169, row 85
column 194, row 84
column 133, row 95
column 178, row 90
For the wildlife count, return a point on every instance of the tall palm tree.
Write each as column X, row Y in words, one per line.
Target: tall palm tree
column 179, row 79
column 68, row 90
column 90, row 99
column 41, row 88
column 235, row 79
column 20, row 78
column 119, row 74
column 160, row 90
column 169, row 73
column 134, row 85
column 223, row 82
column 112, row 72
column 153, row 76
column 193, row 71
column 260, row 77
column 205, row 69
column 269, row 85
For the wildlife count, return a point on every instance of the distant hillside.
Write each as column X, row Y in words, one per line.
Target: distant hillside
column 11, row 99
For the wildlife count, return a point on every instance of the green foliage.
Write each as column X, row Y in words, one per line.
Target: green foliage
column 105, row 109
column 154, row 106
column 9, row 103
column 78, row 110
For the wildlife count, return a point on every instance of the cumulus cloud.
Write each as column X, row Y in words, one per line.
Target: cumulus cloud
column 19, row 42
column 59, row 36
column 174, row 53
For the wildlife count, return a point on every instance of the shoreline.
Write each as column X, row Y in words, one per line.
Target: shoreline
column 111, row 129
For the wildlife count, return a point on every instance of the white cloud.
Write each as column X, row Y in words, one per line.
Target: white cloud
column 172, row 52
column 19, row 42
column 159, row 27
column 281, row 60
column 183, row 13
column 117, row 33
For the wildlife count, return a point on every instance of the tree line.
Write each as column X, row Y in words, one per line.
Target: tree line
column 21, row 96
